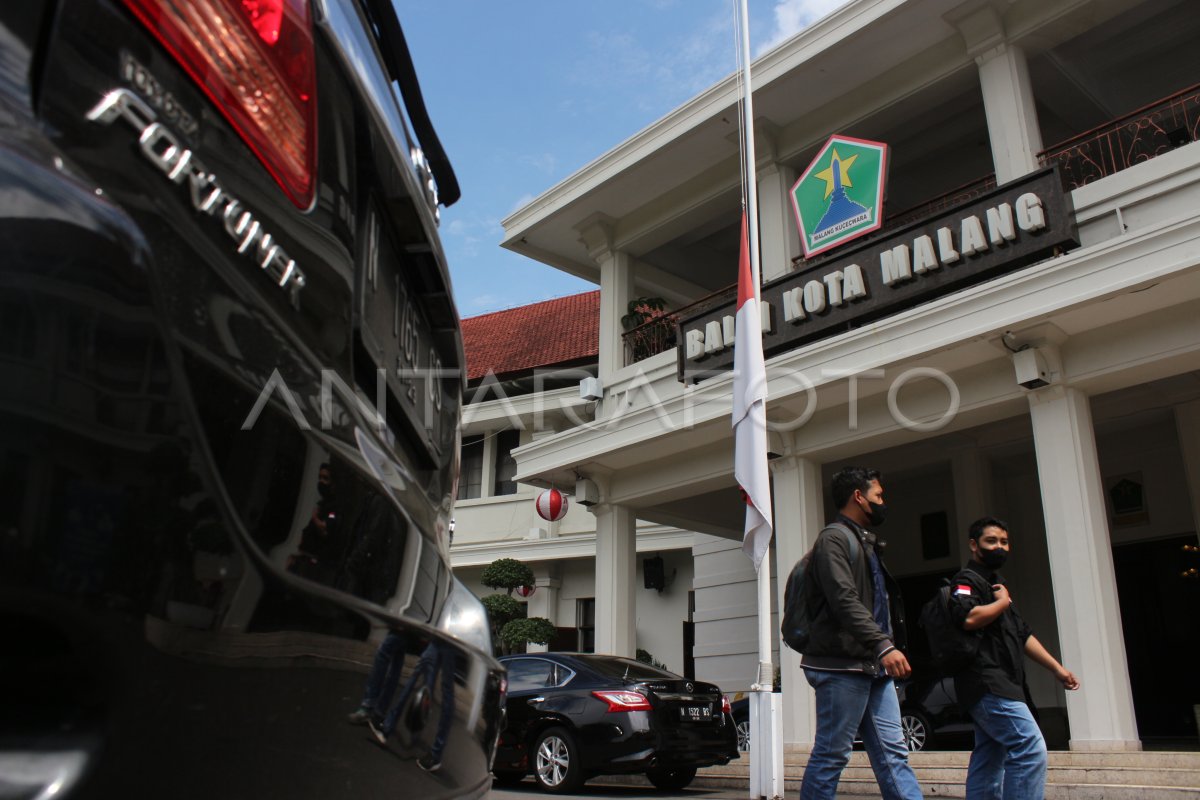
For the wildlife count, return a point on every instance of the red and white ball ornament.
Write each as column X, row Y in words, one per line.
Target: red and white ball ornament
column 551, row 505
column 526, row 591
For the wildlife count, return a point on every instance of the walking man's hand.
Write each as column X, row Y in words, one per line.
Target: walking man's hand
column 1067, row 678
column 896, row 665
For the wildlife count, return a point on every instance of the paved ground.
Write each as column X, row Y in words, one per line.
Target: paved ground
column 599, row 790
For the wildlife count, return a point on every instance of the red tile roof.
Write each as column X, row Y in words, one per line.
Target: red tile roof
column 554, row 332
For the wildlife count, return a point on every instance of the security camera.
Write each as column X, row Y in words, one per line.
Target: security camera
column 1030, row 365
column 587, row 493
column 591, row 389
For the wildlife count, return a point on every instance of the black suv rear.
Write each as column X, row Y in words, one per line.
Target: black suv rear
column 229, row 413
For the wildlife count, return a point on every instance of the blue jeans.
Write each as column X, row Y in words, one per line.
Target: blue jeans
column 849, row 703
column 385, row 673
column 435, row 659
column 1009, row 760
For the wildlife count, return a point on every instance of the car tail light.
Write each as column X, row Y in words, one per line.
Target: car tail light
column 255, row 59
column 725, row 707
column 624, row 701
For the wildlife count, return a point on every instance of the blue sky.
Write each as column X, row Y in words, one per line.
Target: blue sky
column 526, row 92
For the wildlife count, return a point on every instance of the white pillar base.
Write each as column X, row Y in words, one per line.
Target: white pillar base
column 799, row 517
column 616, row 558
column 1100, row 714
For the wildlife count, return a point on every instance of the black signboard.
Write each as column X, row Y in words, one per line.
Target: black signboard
column 1000, row 231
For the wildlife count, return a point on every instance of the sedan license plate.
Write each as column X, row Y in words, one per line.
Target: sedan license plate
column 695, row 713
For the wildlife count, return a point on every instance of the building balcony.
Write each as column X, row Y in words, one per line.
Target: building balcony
column 1133, row 139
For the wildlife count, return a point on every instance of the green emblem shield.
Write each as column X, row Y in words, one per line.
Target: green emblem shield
column 840, row 195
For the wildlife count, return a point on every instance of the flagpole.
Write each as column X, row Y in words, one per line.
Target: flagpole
column 766, row 758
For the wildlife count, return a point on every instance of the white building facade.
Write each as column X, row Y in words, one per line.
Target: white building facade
column 1094, row 459
column 524, row 365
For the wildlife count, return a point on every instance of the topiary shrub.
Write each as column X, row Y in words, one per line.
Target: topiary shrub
column 520, row 632
column 645, row 657
column 507, row 574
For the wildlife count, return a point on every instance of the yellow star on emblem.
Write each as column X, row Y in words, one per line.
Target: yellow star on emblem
column 843, row 168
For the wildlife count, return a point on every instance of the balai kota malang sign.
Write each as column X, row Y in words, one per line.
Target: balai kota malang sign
column 1006, row 228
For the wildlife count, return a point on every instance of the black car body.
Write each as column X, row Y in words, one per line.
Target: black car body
column 222, row 281
column 572, row 716
column 930, row 718
column 929, row 714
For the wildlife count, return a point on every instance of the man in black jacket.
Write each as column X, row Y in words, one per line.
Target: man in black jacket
column 1009, row 759
column 852, row 656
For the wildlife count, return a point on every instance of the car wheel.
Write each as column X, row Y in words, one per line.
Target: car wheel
column 506, row 778
column 916, row 731
column 556, row 765
column 673, row 779
column 743, row 735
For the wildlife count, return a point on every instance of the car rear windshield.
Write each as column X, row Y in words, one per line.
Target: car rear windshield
column 626, row 669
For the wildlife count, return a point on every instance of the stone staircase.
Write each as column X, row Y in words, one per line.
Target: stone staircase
column 1071, row 776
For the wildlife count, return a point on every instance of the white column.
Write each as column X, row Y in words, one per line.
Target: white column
column 1008, row 101
column 1011, row 114
column 779, row 241
column 616, row 290
column 616, row 559
column 971, row 496
column 1081, row 568
column 799, row 517
column 1187, row 422
column 487, row 486
column 544, row 601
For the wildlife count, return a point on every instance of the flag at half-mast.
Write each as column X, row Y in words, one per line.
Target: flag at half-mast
column 750, row 412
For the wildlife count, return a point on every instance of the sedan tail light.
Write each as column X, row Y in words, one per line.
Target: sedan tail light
column 726, row 708
column 255, row 60
column 624, row 701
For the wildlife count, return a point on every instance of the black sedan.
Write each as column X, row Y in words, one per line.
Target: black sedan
column 575, row 715
column 930, row 716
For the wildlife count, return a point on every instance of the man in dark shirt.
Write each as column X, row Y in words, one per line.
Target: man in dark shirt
column 1009, row 759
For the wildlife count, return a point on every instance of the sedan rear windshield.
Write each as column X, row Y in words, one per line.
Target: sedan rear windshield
column 626, row 669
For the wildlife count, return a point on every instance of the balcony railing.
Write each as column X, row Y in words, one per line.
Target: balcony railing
column 967, row 191
column 657, row 335
column 1122, row 143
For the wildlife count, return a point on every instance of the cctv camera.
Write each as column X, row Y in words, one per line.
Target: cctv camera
column 1032, row 372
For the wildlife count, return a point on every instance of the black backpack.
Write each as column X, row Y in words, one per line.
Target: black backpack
column 797, row 615
column 953, row 649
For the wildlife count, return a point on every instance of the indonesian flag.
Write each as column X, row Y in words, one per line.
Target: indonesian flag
column 750, row 413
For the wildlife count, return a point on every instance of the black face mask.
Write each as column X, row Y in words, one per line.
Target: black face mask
column 877, row 514
column 325, row 489
column 994, row 558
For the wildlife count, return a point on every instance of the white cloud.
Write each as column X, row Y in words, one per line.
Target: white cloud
column 521, row 202
column 654, row 75
column 543, row 162
column 483, row 303
column 793, row 16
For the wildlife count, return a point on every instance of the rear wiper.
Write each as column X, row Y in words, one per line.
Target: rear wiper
column 394, row 47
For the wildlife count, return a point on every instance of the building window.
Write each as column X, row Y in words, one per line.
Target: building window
column 506, row 465
column 470, row 474
column 585, row 612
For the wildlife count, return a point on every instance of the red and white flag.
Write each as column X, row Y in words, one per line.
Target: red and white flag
column 750, row 412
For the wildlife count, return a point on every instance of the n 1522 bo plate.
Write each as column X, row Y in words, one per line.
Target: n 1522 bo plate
column 695, row 713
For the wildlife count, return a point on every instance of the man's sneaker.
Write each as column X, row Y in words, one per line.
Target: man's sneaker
column 428, row 763
column 377, row 732
column 360, row 716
